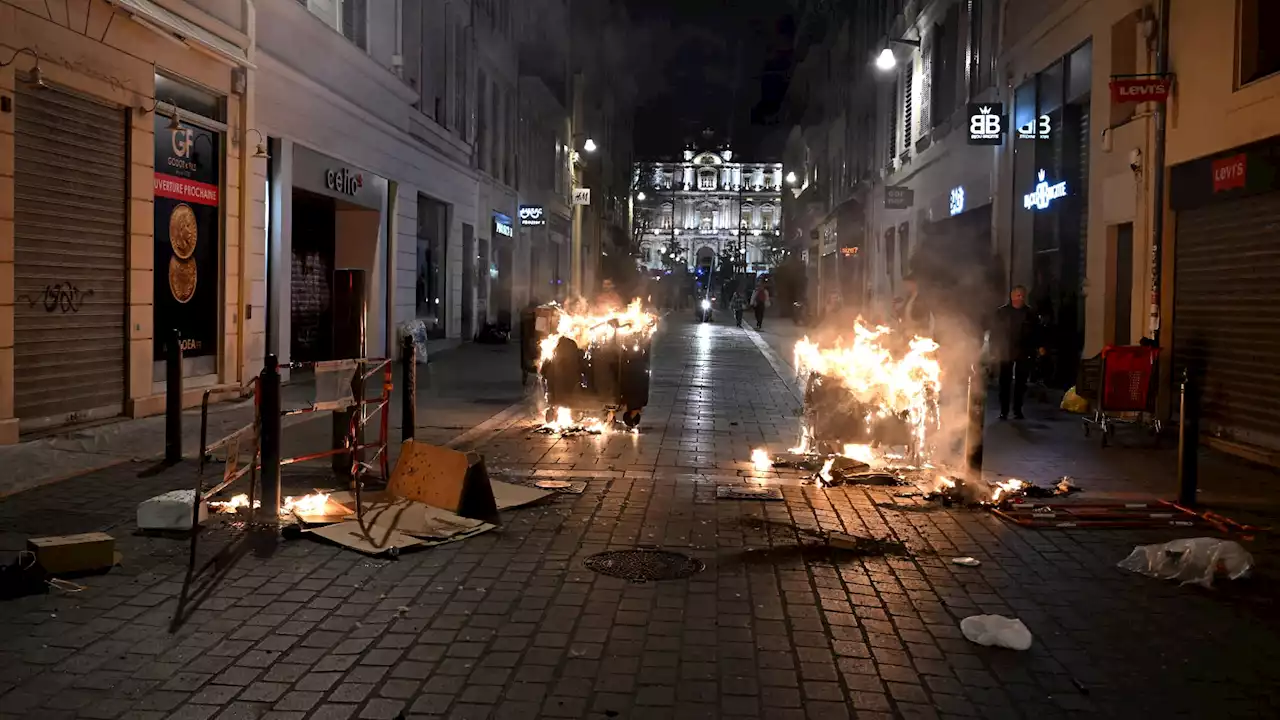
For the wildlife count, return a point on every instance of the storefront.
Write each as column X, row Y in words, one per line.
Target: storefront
column 336, row 221
column 117, row 217
column 1050, row 133
column 432, row 269
column 502, row 269
column 1226, row 289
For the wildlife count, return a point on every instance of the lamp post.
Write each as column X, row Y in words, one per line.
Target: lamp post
column 886, row 60
column 575, row 244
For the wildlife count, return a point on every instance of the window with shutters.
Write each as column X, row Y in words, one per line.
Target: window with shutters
column 925, row 106
column 891, row 123
column 907, row 116
column 945, row 78
column 355, row 22
column 978, row 65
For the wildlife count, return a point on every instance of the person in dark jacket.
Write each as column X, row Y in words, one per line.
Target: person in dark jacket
column 1013, row 345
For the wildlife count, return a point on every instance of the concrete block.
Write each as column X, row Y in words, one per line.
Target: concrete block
column 170, row 511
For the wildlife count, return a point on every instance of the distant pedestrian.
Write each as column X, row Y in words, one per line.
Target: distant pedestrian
column 1014, row 336
column 738, row 305
column 760, row 301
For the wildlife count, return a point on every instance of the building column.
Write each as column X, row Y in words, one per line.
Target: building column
column 8, row 423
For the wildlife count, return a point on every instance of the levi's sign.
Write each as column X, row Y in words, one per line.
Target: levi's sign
column 1141, row 88
column 1230, row 173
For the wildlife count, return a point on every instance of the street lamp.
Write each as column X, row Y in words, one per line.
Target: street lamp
column 589, row 145
column 791, row 178
column 640, row 197
column 886, row 61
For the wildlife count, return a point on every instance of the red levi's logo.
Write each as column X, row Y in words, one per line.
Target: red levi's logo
column 1134, row 90
column 1229, row 173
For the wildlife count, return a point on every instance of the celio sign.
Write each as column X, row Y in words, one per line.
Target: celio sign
column 343, row 181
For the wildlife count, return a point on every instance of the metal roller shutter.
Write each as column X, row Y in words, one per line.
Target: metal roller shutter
column 71, row 240
column 1226, row 320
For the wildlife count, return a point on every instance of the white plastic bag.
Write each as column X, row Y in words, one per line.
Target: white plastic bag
column 996, row 630
column 1190, row 560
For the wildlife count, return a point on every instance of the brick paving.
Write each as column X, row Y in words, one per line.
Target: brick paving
column 511, row 624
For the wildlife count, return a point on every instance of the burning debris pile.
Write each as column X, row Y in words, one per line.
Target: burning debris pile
column 955, row 491
column 305, row 505
column 594, row 366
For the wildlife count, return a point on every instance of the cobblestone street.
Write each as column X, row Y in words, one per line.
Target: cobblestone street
column 511, row 624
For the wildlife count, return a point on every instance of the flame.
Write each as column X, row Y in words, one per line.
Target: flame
column 760, row 460
column 862, row 453
column 595, row 326
column 306, row 505
column 1008, row 486
column 825, row 473
column 565, row 422
column 234, row 504
column 904, row 387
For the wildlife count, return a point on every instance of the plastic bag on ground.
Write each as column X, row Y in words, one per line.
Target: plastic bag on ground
column 1073, row 403
column 997, row 631
column 1190, row 560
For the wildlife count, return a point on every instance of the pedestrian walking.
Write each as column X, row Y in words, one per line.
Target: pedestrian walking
column 738, row 305
column 760, row 301
column 1014, row 340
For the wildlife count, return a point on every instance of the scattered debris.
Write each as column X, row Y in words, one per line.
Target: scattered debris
column 996, row 631
column 966, row 561
column 863, row 545
column 747, row 492
column 68, row 554
column 1190, row 560
column 170, row 512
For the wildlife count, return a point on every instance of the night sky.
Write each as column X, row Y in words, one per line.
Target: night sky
column 718, row 64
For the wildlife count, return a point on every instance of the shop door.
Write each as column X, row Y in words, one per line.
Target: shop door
column 311, row 294
column 70, row 249
column 469, row 264
column 1226, row 315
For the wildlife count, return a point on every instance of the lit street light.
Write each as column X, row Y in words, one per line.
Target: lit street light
column 791, row 178
column 886, row 61
column 640, row 197
column 589, row 145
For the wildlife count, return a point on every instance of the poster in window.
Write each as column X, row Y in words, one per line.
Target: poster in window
column 186, row 237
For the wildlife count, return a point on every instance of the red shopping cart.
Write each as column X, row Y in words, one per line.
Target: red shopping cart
column 1118, row 385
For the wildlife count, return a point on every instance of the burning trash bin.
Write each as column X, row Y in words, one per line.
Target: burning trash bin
column 597, row 366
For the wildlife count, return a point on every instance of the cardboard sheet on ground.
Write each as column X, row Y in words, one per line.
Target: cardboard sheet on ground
column 411, row 518
column 368, row 539
column 444, row 478
column 508, row 495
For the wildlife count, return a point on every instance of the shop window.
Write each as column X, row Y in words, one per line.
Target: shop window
column 1259, row 51
column 355, row 22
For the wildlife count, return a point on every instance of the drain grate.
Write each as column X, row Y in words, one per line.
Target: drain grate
column 644, row 565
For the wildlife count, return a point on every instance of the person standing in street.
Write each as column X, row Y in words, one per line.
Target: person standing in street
column 608, row 300
column 759, row 301
column 738, row 305
column 1013, row 345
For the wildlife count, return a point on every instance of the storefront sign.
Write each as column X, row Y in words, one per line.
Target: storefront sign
column 986, row 124
column 187, row 238
column 1036, row 129
column 1044, row 194
column 849, row 251
column 898, row 197
column 582, row 196
column 1229, row 173
column 956, row 204
column 502, row 225
column 1141, row 88
column 343, row 181
column 532, row 215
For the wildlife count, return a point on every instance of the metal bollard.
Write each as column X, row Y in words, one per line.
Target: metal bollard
column 1188, row 442
column 269, row 426
column 973, row 439
column 408, row 388
column 173, row 399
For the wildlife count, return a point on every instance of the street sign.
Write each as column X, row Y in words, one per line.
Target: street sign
column 1140, row 88
column 898, row 197
column 986, row 123
column 582, row 196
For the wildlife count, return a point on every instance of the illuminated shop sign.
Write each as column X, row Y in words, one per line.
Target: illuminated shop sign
column 986, row 124
column 1036, row 129
column 532, row 215
column 1044, row 194
column 502, row 225
column 956, row 204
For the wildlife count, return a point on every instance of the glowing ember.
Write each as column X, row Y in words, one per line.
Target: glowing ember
column 305, row 505
column 863, row 454
column 893, row 383
column 564, row 422
column 1008, row 486
column 233, row 505
column 760, row 460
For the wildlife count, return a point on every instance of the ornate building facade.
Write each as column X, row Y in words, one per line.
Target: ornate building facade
column 708, row 211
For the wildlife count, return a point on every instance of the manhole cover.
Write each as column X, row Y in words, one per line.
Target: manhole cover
column 747, row 492
column 644, row 565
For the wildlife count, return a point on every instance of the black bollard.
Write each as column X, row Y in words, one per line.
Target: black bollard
column 269, row 429
column 173, row 399
column 1188, row 442
column 973, row 439
column 408, row 388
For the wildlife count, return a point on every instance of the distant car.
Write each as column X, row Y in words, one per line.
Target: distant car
column 703, row 312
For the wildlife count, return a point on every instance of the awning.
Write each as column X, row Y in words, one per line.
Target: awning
column 170, row 24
